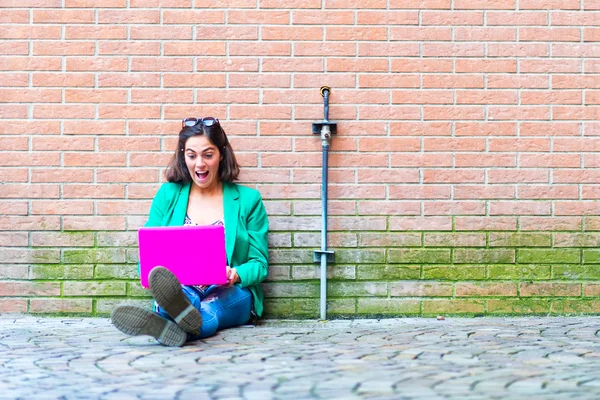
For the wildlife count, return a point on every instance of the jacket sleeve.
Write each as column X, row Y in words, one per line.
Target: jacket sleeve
column 255, row 270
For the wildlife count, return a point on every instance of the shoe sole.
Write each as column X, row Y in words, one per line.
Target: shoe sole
column 166, row 290
column 136, row 321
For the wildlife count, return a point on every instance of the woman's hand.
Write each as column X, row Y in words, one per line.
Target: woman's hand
column 232, row 276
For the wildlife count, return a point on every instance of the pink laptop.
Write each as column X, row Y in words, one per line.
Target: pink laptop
column 195, row 254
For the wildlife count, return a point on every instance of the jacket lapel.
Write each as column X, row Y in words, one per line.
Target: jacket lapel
column 180, row 209
column 231, row 207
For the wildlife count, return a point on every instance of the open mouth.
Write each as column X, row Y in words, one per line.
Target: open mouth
column 201, row 174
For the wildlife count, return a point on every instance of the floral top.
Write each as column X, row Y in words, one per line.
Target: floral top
column 188, row 222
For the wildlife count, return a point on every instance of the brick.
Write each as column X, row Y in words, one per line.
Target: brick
column 421, row 256
column 92, row 288
column 421, row 34
column 516, row 18
column 453, row 50
column 65, row 207
column 26, row 223
column 334, row 207
column 282, row 289
column 591, row 256
column 61, row 272
column 335, row 239
column 421, row 289
column 13, row 306
column 518, row 306
column 551, row 223
column 591, row 290
column 454, row 239
column 549, row 256
column 14, row 79
column 33, row 32
column 105, row 306
column 52, row 306
column 577, row 307
column 61, row 239
column 549, row 4
column 95, row 32
column 93, row 256
column 486, row 289
column 420, row 223
column 520, row 271
column 14, row 48
column 550, row 289
column 575, row 272
column 389, row 208
column 454, row 273
column 360, row 256
column 420, row 4
column 310, row 17
column 14, row 271
column 452, row 18
column 352, row 289
column 486, row 223
column 301, row 272
column 387, row 272
column 499, row 239
column 483, row 256
column 98, row 64
column 520, row 81
column 15, row 288
column 453, row 306
column 457, row 176
column 356, row 33
column 93, row 223
column 438, row 207
column 395, row 307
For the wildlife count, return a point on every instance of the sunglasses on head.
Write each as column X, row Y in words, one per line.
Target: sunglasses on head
column 206, row 121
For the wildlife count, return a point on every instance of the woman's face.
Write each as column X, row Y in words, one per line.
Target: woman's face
column 202, row 159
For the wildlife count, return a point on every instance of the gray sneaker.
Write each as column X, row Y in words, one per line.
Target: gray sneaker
column 166, row 290
column 136, row 321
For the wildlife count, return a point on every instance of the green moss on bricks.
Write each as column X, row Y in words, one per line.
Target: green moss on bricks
column 518, row 306
column 483, row 256
column 92, row 256
column 61, row 271
column 576, row 272
column 360, row 256
column 291, row 256
column 291, row 289
column 591, row 256
column 44, row 256
column 498, row 239
column 519, row 271
column 454, row 273
column 388, row 272
column 575, row 306
column 420, row 256
column 278, row 308
column 355, row 289
column 549, row 256
column 388, row 307
column 116, row 271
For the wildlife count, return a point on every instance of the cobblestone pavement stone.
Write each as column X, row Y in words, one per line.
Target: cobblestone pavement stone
column 458, row 358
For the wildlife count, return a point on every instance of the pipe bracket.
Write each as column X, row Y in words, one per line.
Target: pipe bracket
column 330, row 256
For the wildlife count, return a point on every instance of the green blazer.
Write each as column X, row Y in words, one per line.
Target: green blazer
column 246, row 229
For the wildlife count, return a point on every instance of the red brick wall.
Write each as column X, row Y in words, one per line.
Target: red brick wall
column 459, row 121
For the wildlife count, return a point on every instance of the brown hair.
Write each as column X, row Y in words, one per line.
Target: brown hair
column 229, row 169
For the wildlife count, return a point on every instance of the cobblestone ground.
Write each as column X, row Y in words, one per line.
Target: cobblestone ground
column 485, row 358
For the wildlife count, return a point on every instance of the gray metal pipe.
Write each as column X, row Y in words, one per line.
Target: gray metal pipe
column 325, row 129
column 325, row 137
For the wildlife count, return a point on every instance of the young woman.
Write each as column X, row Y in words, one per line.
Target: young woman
column 200, row 191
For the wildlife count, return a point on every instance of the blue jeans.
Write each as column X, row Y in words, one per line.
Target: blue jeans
column 221, row 307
